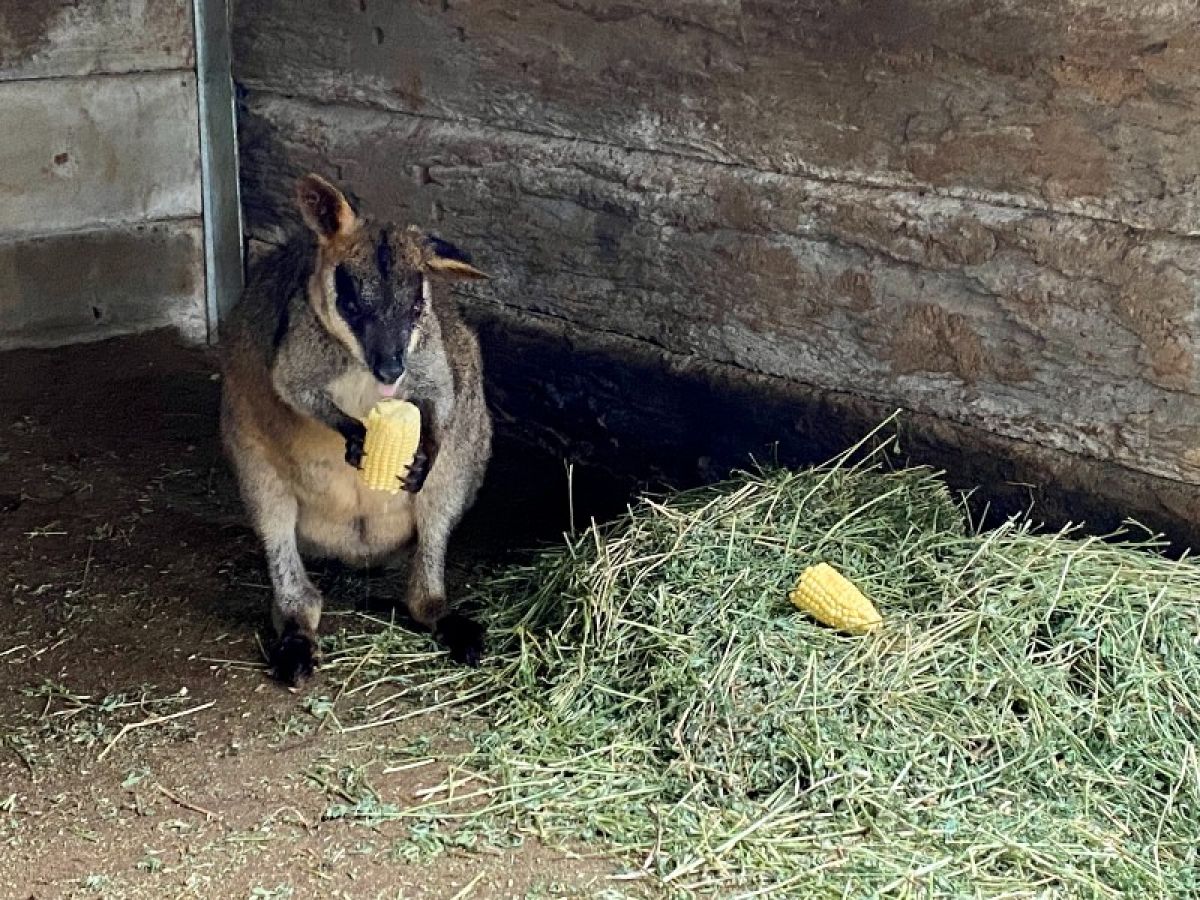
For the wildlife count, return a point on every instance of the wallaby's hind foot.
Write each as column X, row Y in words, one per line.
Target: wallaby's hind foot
column 294, row 655
column 462, row 636
column 426, row 600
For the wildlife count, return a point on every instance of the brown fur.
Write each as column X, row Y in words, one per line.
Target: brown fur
column 297, row 386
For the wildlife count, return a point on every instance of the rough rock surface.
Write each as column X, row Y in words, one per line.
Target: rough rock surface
column 984, row 213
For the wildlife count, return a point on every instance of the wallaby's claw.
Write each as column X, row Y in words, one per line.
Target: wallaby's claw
column 418, row 471
column 355, row 439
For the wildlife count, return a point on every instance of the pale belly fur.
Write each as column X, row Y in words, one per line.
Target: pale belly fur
column 358, row 526
column 340, row 517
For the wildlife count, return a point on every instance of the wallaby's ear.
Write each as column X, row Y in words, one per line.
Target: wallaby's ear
column 324, row 208
column 449, row 261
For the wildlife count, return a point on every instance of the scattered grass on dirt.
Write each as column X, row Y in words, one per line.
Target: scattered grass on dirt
column 1026, row 724
column 68, row 718
column 144, row 752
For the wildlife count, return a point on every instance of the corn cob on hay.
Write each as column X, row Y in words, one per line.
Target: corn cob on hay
column 1029, row 727
column 830, row 598
column 393, row 434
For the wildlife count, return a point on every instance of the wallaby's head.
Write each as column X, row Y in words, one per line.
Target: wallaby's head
column 371, row 284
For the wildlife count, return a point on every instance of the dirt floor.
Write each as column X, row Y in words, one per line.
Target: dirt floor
column 144, row 751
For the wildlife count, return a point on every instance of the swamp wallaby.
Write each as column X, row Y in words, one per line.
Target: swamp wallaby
column 328, row 324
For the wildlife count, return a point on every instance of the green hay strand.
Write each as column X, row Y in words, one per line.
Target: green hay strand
column 1025, row 724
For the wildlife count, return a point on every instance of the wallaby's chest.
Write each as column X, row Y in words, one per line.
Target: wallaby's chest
column 355, row 392
column 338, row 514
column 322, row 479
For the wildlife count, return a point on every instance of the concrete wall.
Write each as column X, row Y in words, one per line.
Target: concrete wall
column 100, row 228
column 985, row 213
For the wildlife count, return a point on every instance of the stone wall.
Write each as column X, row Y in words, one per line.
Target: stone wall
column 100, row 215
column 984, row 213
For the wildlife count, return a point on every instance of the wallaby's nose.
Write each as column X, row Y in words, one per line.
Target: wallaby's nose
column 388, row 369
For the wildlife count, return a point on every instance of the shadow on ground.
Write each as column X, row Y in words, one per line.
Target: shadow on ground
column 134, row 591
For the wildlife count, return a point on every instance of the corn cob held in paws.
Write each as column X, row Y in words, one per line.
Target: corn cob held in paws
column 393, row 434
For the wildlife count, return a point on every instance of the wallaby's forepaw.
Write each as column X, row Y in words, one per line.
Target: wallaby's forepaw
column 355, row 439
column 462, row 636
column 294, row 656
column 418, row 471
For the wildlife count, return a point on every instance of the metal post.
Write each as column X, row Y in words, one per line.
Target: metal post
column 223, row 250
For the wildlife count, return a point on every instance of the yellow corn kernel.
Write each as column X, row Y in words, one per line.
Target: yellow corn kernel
column 825, row 593
column 393, row 434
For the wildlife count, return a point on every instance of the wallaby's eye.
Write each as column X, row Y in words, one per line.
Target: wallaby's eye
column 349, row 300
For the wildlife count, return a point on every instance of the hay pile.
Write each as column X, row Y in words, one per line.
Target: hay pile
column 1026, row 724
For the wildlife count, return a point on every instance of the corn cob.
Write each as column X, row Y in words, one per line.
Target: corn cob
column 393, row 433
column 823, row 592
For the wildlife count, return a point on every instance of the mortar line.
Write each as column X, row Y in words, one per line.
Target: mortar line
column 100, row 227
column 93, row 76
